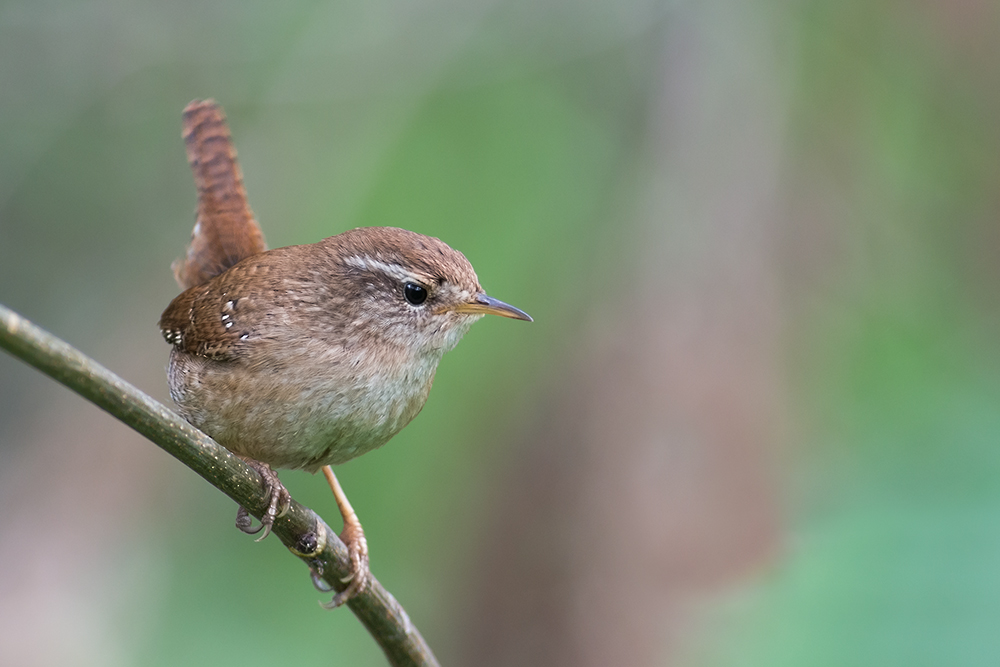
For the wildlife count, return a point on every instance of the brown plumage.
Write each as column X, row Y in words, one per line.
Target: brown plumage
column 309, row 355
column 226, row 231
column 260, row 346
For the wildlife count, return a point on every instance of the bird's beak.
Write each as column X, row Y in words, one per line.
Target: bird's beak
column 487, row 305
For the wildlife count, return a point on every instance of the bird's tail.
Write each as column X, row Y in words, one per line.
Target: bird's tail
column 226, row 231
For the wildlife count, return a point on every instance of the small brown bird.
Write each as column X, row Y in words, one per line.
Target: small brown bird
column 309, row 355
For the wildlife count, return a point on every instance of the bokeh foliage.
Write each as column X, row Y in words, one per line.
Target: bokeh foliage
column 522, row 134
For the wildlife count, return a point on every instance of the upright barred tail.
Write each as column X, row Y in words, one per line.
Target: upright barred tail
column 225, row 231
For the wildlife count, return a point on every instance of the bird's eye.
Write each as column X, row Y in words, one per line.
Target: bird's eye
column 414, row 293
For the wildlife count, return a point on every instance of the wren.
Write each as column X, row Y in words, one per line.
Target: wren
column 306, row 356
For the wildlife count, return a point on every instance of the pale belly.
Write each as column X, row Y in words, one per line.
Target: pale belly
column 321, row 418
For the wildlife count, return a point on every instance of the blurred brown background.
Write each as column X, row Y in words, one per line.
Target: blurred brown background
column 754, row 423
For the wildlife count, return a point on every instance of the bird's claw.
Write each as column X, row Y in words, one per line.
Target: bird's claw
column 319, row 582
column 245, row 522
column 278, row 505
column 357, row 548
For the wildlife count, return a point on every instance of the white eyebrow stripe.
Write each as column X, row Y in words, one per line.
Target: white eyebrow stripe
column 392, row 270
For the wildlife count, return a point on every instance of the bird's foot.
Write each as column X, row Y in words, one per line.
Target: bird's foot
column 353, row 536
column 357, row 548
column 280, row 501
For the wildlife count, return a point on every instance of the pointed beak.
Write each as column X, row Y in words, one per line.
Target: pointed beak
column 487, row 305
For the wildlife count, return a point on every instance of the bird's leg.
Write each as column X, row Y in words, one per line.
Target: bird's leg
column 280, row 501
column 354, row 538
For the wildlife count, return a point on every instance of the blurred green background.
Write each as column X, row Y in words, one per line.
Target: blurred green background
column 754, row 423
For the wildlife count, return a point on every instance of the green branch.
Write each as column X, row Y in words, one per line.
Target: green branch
column 301, row 529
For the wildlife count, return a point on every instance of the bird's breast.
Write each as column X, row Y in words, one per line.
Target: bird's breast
column 302, row 408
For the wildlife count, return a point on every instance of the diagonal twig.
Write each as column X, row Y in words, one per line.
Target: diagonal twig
column 300, row 529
